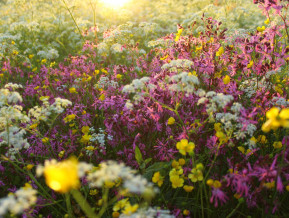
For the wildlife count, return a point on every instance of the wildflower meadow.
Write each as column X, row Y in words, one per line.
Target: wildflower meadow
column 143, row 108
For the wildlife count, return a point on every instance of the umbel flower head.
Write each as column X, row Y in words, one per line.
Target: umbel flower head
column 62, row 176
column 276, row 119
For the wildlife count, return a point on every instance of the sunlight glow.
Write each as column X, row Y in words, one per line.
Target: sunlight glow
column 115, row 3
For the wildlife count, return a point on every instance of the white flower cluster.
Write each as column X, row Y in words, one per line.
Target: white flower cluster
column 98, row 138
column 214, row 101
column 149, row 213
column 104, row 83
column 102, row 48
column 7, row 97
column 19, row 201
column 13, row 86
column 42, row 113
column 249, row 87
column 183, row 82
column 117, row 48
column 232, row 123
column 174, row 65
column 10, row 117
column 159, row 42
column 279, row 101
column 136, row 85
column 48, row 54
column 111, row 171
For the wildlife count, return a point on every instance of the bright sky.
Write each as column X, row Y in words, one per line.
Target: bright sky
column 115, row 3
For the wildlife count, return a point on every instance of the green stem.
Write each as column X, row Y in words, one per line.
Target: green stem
column 235, row 209
column 83, row 203
column 68, row 205
column 105, row 204
column 67, row 8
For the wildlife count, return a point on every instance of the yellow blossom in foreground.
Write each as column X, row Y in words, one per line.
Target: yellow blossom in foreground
column 178, row 35
column 171, row 121
column 182, row 162
column 62, row 176
column 267, row 21
column 158, row 178
column 276, row 119
column 226, row 80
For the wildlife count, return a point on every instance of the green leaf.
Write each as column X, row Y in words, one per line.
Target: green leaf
column 138, row 155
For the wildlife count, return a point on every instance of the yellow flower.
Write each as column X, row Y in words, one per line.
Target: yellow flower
column 164, row 58
column 185, row 147
column 177, row 182
column 158, row 178
column 118, row 76
column 217, row 127
column 210, row 182
column 93, row 192
column 31, row 56
column 261, row 29
column 267, row 21
column 171, row 121
column 29, row 166
column 45, row 140
column 250, row 64
column 277, row 145
column 220, row 52
column 237, row 196
column 85, row 130
column 262, row 139
column 287, row 188
column 72, row 90
column 33, row 126
column 108, row 184
column 226, row 80
column 276, row 119
column 186, row 212
column 43, row 61
column 130, row 209
column 188, row 188
column 85, row 139
column 115, row 214
column 182, row 162
column 102, row 97
column 242, row 149
column 196, row 175
column 61, row 153
column 178, row 35
column 62, row 176
column 175, row 164
column 217, row 184
column 69, row 118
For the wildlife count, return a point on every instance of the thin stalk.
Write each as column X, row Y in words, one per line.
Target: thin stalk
column 83, row 203
column 68, row 205
column 235, row 209
column 67, row 8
